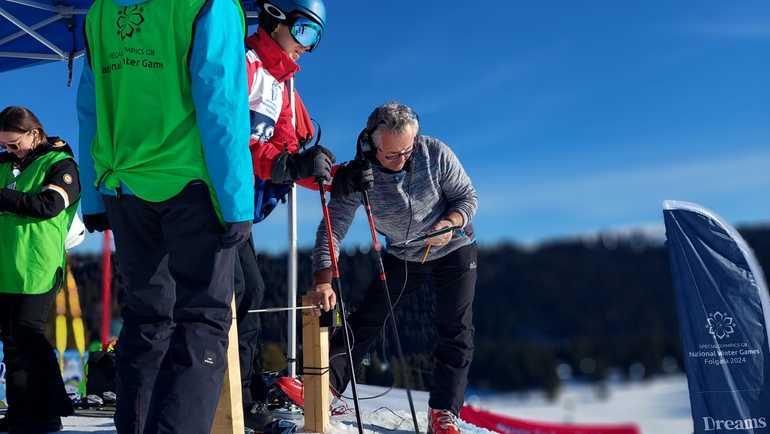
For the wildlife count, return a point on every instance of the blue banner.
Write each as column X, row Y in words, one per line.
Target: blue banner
column 723, row 310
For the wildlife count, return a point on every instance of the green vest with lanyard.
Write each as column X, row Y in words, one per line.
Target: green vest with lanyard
column 33, row 248
column 146, row 137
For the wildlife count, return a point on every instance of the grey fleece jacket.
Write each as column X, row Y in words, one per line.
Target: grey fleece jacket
column 408, row 203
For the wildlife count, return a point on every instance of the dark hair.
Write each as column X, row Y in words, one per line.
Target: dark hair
column 270, row 22
column 21, row 120
column 267, row 21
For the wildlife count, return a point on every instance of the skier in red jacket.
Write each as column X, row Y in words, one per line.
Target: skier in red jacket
column 280, row 126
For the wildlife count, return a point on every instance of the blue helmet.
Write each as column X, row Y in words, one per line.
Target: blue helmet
column 314, row 9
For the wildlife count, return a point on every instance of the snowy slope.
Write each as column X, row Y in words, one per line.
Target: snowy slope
column 661, row 406
column 657, row 407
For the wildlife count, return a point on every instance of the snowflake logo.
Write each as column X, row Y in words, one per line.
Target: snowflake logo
column 720, row 325
column 129, row 20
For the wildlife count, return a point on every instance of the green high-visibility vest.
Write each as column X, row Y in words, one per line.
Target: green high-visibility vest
column 32, row 248
column 146, row 132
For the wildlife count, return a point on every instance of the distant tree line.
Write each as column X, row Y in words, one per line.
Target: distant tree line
column 585, row 309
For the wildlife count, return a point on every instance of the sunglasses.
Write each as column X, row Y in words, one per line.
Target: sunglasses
column 393, row 156
column 306, row 32
column 15, row 145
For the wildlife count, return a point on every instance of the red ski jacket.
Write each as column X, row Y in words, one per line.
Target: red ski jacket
column 279, row 119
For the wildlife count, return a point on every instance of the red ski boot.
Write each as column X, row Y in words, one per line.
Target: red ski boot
column 293, row 389
column 442, row 422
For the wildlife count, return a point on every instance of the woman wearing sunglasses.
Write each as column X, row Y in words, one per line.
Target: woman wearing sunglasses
column 280, row 126
column 39, row 195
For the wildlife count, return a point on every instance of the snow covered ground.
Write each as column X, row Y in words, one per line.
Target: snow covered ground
column 660, row 406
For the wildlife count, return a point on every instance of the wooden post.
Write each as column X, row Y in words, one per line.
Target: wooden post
column 315, row 356
column 229, row 416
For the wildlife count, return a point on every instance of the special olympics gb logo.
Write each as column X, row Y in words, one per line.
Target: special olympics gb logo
column 720, row 325
column 129, row 20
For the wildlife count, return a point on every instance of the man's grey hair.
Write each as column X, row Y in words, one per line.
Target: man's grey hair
column 394, row 117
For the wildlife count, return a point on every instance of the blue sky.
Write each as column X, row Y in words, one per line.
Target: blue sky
column 570, row 117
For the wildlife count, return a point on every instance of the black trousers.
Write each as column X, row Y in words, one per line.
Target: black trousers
column 34, row 386
column 249, row 293
column 453, row 278
column 171, row 353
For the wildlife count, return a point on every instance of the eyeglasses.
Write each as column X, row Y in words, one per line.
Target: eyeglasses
column 393, row 156
column 10, row 146
column 306, row 32
column 15, row 145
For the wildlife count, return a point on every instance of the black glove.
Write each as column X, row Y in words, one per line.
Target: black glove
column 96, row 222
column 236, row 234
column 315, row 162
column 4, row 200
column 353, row 177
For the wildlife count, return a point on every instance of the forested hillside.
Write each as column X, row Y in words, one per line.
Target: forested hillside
column 584, row 307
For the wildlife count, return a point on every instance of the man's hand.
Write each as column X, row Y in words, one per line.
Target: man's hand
column 96, row 222
column 315, row 162
column 323, row 294
column 355, row 176
column 236, row 234
column 440, row 240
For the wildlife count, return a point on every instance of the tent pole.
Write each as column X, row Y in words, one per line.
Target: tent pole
column 15, row 21
column 291, row 335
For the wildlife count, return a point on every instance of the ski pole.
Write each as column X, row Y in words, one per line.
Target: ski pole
column 381, row 268
column 338, row 291
column 283, row 309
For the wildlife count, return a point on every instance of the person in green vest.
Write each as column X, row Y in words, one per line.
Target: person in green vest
column 39, row 195
column 164, row 128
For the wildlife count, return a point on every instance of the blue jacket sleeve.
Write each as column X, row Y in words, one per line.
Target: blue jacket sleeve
column 90, row 199
column 220, row 95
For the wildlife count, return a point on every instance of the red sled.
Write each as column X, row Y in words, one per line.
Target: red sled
column 508, row 425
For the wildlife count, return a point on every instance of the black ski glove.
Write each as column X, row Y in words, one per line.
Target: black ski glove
column 236, row 234
column 315, row 162
column 96, row 222
column 5, row 201
column 354, row 176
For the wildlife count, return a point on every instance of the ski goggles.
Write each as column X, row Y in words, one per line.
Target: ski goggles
column 306, row 32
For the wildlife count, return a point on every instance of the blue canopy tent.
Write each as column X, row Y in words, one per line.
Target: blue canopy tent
column 34, row 32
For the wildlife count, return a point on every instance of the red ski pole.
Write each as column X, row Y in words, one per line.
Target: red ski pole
column 338, row 291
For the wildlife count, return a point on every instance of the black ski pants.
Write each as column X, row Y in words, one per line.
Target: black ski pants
column 453, row 278
column 171, row 352
column 249, row 293
column 34, row 386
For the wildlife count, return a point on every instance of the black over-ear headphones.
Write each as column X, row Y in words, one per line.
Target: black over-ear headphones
column 365, row 144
